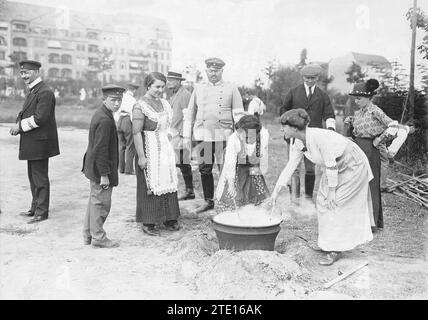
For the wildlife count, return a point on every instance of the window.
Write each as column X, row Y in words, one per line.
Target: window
column 54, row 58
column 39, row 43
column 19, row 42
column 2, row 55
column 92, row 48
column 80, row 47
column 92, row 35
column 20, row 55
column 92, row 61
column 19, row 27
column 162, row 56
column 2, row 41
column 77, row 74
column 76, row 34
column 2, row 71
column 36, row 57
column 53, row 73
column 168, row 57
column 122, row 52
column 3, row 28
column 66, row 59
column 66, row 73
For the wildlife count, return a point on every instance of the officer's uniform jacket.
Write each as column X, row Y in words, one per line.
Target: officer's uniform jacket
column 213, row 109
column 37, row 124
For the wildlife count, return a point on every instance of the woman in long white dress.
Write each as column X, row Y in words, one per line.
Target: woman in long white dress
column 343, row 201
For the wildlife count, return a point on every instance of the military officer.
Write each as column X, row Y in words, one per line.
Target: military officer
column 100, row 166
column 209, row 120
column 37, row 128
column 317, row 104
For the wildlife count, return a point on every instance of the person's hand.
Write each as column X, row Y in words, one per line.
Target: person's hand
column 231, row 191
column 376, row 142
column 14, row 130
column 275, row 194
column 105, row 182
column 331, row 199
column 142, row 163
column 187, row 143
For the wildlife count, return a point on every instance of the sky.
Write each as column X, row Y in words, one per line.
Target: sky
column 247, row 34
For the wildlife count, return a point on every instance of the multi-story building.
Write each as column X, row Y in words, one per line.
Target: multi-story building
column 81, row 45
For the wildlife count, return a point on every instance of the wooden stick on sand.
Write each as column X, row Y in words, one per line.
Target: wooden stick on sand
column 344, row 275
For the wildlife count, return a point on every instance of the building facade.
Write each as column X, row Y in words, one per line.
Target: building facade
column 80, row 45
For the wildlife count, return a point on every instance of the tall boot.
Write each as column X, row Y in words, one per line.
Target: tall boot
column 189, row 195
column 208, row 187
column 309, row 185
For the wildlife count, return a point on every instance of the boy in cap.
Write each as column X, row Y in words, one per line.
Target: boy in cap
column 124, row 130
column 37, row 128
column 100, row 166
column 213, row 109
column 179, row 100
column 317, row 104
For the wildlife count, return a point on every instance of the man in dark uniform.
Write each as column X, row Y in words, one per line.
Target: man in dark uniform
column 124, row 130
column 179, row 100
column 317, row 104
column 100, row 166
column 36, row 126
column 209, row 120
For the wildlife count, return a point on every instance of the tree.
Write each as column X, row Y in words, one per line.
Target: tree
column 355, row 73
column 421, row 23
column 282, row 80
column 303, row 58
column 103, row 63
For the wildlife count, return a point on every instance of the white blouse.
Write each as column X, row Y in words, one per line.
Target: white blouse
column 323, row 147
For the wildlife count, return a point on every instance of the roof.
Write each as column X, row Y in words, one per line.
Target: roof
column 48, row 16
column 371, row 59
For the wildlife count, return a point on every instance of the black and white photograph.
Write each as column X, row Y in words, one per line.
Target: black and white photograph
column 229, row 150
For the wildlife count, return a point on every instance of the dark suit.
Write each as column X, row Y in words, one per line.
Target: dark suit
column 319, row 108
column 39, row 144
column 101, row 159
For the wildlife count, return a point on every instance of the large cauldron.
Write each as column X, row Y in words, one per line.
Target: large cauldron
column 234, row 237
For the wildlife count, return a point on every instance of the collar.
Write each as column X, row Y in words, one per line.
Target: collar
column 307, row 88
column 216, row 84
column 35, row 82
column 178, row 89
column 107, row 111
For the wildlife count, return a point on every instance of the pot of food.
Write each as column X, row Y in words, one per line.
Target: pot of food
column 247, row 228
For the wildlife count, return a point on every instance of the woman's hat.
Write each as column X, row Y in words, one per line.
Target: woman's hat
column 365, row 89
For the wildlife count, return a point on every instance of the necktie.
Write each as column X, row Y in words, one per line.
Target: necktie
column 310, row 93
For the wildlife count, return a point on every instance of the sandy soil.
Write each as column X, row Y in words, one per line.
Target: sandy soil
column 49, row 261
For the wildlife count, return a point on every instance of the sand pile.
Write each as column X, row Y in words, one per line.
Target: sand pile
column 249, row 216
column 266, row 274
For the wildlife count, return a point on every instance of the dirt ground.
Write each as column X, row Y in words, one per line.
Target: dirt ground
column 49, row 261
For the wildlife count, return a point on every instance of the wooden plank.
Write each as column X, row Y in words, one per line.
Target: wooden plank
column 345, row 275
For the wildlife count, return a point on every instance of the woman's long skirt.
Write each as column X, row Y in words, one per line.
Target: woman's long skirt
column 348, row 225
column 153, row 209
column 250, row 189
column 373, row 155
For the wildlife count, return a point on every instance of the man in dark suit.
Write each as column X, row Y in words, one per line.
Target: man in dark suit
column 36, row 126
column 100, row 166
column 317, row 104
